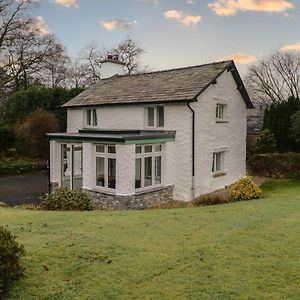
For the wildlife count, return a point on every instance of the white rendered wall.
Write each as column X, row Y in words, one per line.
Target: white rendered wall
column 113, row 117
column 55, row 161
column 212, row 136
column 125, row 169
column 75, row 119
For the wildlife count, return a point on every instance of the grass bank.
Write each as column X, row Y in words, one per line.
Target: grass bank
column 245, row 250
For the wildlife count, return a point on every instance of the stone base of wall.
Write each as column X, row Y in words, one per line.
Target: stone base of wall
column 138, row 201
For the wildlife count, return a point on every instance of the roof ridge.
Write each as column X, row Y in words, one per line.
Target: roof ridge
column 168, row 70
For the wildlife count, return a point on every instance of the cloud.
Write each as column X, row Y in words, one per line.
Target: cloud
column 117, row 24
column 41, row 26
column 241, row 58
column 68, row 3
column 182, row 18
column 231, row 7
column 295, row 47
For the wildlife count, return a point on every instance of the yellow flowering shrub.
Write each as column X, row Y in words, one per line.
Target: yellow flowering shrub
column 245, row 189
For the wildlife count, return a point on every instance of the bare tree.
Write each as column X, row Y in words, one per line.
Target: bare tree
column 54, row 67
column 90, row 59
column 276, row 77
column 129, row 52
column 78, row 74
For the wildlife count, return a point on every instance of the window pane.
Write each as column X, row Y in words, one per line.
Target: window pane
column 160, row 116
column 148, row 171
column 66, row 165
column 148, row 149
column 157, row 169
column 150, row 116
column 218, row 161
column 138, row 149
column 77, row 167
column 88, row 117
column 94, row 117
column 100, row 178
column 100, row 148
column 138, row 173
column 157, row 148
column 112, row 173
column 111, row 149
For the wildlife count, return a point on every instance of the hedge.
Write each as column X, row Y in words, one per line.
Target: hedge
column 276, row 165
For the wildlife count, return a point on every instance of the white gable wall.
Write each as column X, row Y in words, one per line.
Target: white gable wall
column 213, row 136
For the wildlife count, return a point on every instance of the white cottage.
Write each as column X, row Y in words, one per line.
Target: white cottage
column 136, row 140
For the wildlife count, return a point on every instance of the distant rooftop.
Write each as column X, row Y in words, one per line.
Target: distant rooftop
column 167, row 86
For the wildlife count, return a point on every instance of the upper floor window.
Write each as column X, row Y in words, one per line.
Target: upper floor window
column 155, row 116
column 221, row 112
column 91, row 117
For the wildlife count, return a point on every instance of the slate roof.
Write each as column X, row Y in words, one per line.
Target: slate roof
column 175, row 85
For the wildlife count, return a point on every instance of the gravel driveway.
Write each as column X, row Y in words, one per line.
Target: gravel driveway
column 23, row 189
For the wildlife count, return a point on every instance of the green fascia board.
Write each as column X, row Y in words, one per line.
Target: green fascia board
column 113, row 142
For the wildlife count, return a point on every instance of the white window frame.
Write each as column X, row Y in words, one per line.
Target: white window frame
column 93, row 117
column 221, row 113
column 152, row 154
column 156, row 119
column 106, row 156
column 221, row 155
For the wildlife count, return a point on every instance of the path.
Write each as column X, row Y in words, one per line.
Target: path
column 24, row 188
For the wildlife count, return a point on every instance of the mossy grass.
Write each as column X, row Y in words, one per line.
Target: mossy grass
column 241, row 250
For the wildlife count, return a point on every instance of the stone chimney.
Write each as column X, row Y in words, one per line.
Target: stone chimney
column 112, row 66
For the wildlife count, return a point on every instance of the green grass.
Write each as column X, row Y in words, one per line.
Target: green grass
column 244, row 250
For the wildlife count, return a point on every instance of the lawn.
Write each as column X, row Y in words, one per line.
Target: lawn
column 245, row 250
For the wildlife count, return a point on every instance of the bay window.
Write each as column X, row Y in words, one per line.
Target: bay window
column 148, row 167
column 106, row 166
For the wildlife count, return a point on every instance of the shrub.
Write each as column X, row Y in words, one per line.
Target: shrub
column 266, row 142
column 245, row 189
column 65, row 199
column 170, row 205
column 210, row 199
column 11, row 253
column 277, row 165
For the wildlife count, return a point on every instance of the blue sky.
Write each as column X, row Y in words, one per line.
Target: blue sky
column 177, row 33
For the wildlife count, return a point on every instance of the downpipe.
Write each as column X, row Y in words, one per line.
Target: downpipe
column 193, row 150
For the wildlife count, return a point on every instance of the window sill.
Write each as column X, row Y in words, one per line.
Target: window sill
column 222, row 121
column 218, row 174
column 149, row 189
column 107, row 191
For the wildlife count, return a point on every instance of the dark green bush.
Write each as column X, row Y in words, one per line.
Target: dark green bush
column 277, row 165
column 21, row 165
column 11, row 253
column 266, row 142
column 65, row 199
column 7, row 138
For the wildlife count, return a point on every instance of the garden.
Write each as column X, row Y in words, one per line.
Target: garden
column 240, row 250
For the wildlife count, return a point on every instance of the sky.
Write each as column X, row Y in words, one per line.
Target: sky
column 176, row 33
